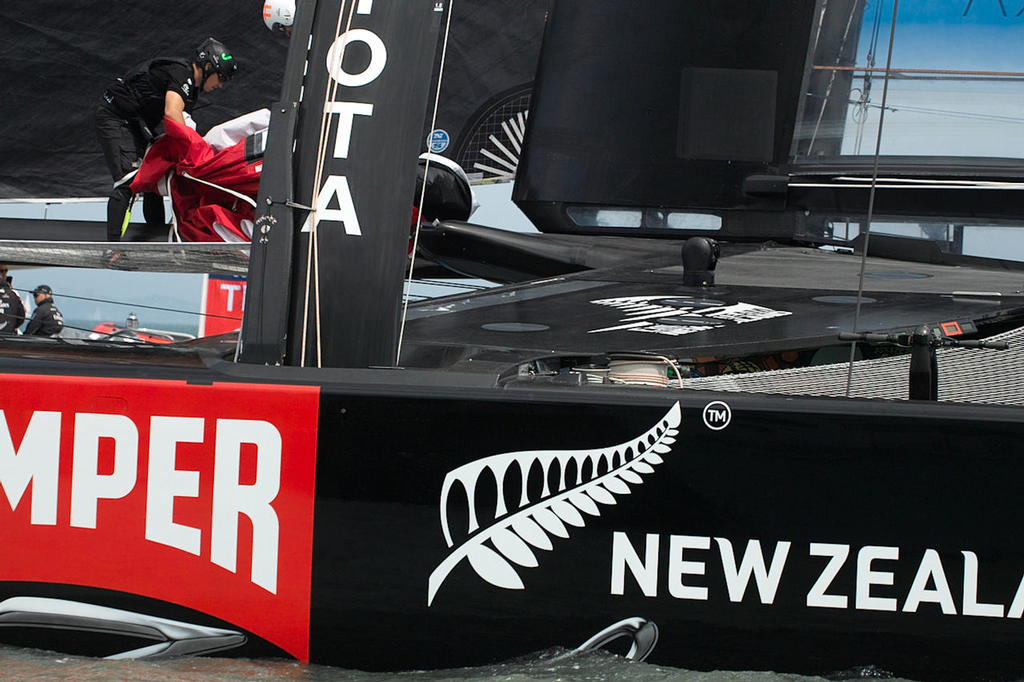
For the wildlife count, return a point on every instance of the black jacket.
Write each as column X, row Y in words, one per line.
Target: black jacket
column 46, row 320
column 140, row 93
column 12, row 310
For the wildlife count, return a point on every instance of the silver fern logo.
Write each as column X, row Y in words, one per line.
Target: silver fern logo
column 504, row 545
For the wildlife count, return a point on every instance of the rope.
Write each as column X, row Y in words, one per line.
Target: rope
column 871, row 195
column 312, row 279
column 423, row 187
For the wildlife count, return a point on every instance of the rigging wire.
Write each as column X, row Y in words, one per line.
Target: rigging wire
column 860, row 114
column 835, row 72
column 141, row 306
column 871, row 195
column 948, row 113
column 448, row 283
column 961, row 115
column 423, row 186
column 312, row 278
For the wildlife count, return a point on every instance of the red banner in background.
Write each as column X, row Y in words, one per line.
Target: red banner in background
column 196, row 495
column 222, row 304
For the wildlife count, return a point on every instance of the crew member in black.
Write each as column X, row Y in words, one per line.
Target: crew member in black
column 12, row 310
column 46, row 319
column 132, row 112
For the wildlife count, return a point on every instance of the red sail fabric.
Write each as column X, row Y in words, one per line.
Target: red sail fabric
column 203, row 213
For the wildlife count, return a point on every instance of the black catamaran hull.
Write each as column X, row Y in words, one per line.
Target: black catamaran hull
column 807, row 535
column 489, row 501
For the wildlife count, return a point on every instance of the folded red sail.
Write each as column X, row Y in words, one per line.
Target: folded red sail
column 204, row 184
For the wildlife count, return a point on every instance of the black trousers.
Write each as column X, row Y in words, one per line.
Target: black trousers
column 123, row 145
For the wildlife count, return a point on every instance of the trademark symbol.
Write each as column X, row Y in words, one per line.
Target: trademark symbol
column 717, row 415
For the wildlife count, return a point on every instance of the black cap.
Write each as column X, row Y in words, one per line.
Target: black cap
column 42, row 289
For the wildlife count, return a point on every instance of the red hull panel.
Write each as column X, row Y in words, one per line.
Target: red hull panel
column 129, row 485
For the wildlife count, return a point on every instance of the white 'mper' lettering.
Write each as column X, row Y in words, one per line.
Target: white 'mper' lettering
column 930, row 570
column 677, row 567
column 37, row 460
column 817, row 596
column 867, row 577
column 231, row 498
column 737, row 579
column 167, row 483
column 88, row 486
column 644, row 572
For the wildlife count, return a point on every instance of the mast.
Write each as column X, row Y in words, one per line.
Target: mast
column 330, row 242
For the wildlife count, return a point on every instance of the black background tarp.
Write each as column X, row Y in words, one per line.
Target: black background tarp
column 57, row 57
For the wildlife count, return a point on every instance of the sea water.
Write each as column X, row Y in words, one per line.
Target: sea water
column 549, row 666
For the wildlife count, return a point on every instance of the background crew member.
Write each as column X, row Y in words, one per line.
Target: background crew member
column 12, row 310
column 131, row 116
column 279, row 15
column 46, row 319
